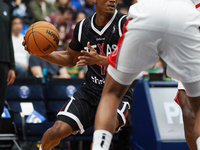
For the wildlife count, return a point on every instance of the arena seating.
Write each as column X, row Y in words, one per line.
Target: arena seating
column 18, row 94
column 47, row 99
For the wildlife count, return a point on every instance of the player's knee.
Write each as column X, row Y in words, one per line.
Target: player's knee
column 60, row 130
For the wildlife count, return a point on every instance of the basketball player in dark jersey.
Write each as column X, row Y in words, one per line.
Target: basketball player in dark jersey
column 102, row 30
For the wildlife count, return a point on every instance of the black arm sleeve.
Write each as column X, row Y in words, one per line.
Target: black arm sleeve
column 75, row 44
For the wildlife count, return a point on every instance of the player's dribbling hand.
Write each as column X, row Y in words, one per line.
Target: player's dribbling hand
column 88, row 58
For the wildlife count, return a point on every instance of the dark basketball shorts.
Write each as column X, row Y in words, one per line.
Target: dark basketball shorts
column 79, row 112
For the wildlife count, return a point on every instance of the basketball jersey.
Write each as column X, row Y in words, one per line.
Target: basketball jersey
column 103, row 40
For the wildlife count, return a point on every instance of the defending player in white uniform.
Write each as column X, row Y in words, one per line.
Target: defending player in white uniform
column 157, row 28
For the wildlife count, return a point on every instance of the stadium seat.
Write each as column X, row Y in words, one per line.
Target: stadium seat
column 8, row 136
column 19, row 94
column 56, row 96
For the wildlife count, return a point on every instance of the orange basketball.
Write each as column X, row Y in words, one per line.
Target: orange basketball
column 42, row 38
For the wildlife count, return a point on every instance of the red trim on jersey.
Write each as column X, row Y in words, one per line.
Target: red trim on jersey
column 197, row 5
column 113, row 56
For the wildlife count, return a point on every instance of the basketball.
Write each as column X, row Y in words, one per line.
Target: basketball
column 42, row 38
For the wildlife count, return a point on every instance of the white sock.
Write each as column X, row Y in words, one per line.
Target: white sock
column 101, row 140
column 198, row 143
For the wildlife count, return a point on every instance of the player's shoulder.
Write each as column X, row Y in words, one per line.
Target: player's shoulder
column 121, row 16
column 85, row 22
column 121, row 19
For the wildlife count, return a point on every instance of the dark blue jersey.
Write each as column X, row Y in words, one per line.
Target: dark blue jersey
column 103, row 39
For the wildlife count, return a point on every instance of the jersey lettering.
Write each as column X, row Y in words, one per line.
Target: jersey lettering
column 109, row 50
column 101, row 49
column 87, row 49
column 97, row 81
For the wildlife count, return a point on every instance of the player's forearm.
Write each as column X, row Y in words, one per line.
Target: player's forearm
column 60, row 58
column 103, row 61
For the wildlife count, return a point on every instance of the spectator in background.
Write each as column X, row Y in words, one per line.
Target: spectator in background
column 76, row 72
column 40, row 9
column 88, row 8
column 21, row 56
column 62, row 32
column 51, row 1
column 61, row 17
column 18, row 6
column 75, row 4
column 7, row 62
column 123, row 8
column 79, row 16
column 62, row 4
column 36, row 65
column 157, row 68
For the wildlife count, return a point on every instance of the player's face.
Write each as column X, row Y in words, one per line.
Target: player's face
column 106, row 6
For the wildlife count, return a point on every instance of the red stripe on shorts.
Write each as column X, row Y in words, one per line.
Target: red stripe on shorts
column 176, row 99
column 126, row 114
column 112, row 58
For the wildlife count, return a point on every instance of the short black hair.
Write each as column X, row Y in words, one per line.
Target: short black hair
column 119, row 6
column 14, row 17
column 69, row 10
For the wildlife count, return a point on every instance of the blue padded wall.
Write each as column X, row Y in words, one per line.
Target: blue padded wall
column 145, row 132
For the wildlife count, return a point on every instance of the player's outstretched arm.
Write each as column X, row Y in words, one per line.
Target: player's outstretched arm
column 91, row 58
column 66, row 58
